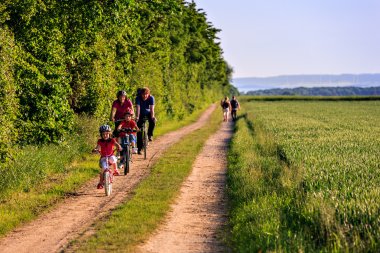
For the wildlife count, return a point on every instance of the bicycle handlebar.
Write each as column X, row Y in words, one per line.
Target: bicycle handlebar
column 128, row 130
column 97, row 151
column 146, row 118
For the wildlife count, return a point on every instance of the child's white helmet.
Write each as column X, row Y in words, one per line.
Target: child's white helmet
column 104, row 128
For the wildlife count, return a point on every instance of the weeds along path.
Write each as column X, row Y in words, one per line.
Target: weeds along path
column 198, row 218
column 52, row 231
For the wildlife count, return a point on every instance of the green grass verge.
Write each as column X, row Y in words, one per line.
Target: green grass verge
column 133, row 221
column 260, row 185
column 42, row 176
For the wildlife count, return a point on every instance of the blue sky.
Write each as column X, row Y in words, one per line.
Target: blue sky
column 263, row 38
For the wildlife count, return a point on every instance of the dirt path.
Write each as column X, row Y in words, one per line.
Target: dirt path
column 52, row 231
column 196, row 221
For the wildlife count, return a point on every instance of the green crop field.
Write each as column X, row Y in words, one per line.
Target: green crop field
column 305, row 175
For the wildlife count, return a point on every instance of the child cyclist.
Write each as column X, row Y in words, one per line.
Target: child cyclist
column 105, row 146
column 129, row 123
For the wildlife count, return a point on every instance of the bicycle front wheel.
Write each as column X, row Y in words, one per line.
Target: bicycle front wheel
column 127, row 160
column 107, row 183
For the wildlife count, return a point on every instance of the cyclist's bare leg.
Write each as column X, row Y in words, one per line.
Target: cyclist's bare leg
column 114, row 166
column 101, row 178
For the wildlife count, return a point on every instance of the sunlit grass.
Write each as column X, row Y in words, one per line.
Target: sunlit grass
column 312, row 182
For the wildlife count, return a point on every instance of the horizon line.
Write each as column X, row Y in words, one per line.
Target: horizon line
column 284, row 75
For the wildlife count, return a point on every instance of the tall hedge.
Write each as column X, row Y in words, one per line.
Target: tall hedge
column 61, row 57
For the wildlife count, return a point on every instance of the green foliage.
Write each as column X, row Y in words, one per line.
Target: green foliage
column 73, row 56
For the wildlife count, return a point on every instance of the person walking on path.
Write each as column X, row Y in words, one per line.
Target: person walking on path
column 145, row 109
column 226, row 107
column 235, row 105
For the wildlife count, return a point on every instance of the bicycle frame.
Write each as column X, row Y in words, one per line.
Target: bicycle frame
column 126, row 153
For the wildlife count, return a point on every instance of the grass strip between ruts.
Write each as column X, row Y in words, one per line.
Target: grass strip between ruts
column 135, row 220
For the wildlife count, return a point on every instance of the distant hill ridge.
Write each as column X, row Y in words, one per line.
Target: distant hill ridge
column 292, row 81
column 320, row 91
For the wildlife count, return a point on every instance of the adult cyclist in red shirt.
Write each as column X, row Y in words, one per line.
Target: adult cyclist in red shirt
column 119, row 107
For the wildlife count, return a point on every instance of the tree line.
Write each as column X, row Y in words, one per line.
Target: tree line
column 60, row 58
column 319, row 91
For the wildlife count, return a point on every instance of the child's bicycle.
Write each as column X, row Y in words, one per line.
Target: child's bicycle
column 107, row 179
column 126, row 153
column 107, row 176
